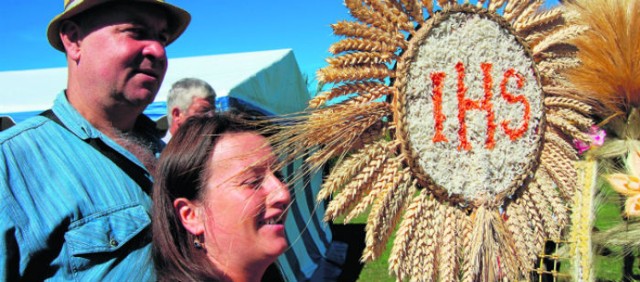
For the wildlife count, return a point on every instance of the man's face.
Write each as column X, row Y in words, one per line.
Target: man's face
column 122, row 53
column 199, row 106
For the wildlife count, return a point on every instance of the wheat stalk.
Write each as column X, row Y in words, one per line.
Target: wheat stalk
column 423, row 264
column 552, row 195
column 361, row 44
column 568, row 128
column 572, row 117
column 553, row 139
column 520, row 232
column 567, row 103
column 496, row 4
column 386, row 178
column 347, row 138
column 344, row 171
column 361, row 88
column 529, row 19
column 362, row 58
column 353, row 191
column 561, row 35
column 428, row 5
column 365, row 15
column 385, row 214
column 560, row 169
column 356, row 29
column 550, row 227
column 391, row 14
column 413, row 9
column 400, row 254
column 448, row 247
column 346, row 74
column 514, row 8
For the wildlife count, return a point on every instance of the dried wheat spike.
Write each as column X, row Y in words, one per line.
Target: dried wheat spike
column 524, row 24
column 572, row 117
column 568, row 128
column 385, row 214
column 400, row 255
column 551, row 228
column 391, row 14
column 514, row 8
column 413, row 9
column 495, row 5
column 558, row 64
column 527, row 13
column 366, row 15
column 346, row 74
column 360, row 30
column 464, row 231
column 448, row 249
column 536, row 221
column 520, row 232
column 567, row 103
column 428, row 5
column 422, row 263
column 443, row 3
column 566, row 149
column 559, row 36
column 480, row 3
column 353, row 191
column 385, row 178
column 344, row 171
column 362, row 58
column 348, row 137
column 361, row 44
column 362, row 88
column 561, row 170
column 552, row 195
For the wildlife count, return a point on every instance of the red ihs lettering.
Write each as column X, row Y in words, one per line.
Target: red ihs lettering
column 512, row 99
column 485, row 104
column 465, row 105
column 439, row 117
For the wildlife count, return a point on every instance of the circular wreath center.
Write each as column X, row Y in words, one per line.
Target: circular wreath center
column 471, row 107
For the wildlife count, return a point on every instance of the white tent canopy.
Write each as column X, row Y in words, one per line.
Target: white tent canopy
column 267, row 79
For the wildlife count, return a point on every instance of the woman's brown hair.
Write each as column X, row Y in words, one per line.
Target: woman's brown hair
column 181, row 173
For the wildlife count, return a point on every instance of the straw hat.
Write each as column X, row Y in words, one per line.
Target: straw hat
column 179, row 18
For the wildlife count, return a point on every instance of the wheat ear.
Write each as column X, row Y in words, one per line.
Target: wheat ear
column 448, row 265
column 387, row 177
column 400, row 255
column 385, row 214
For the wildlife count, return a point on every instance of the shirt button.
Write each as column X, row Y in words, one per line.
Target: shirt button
column 113, row 243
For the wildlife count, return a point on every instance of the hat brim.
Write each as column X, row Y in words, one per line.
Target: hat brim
column 178, row 21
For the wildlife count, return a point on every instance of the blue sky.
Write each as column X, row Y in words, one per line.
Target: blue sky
column 217, row 27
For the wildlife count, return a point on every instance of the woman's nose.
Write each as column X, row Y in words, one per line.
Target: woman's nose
column 279, row 194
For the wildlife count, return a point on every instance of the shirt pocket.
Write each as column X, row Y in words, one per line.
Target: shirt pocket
column 107, row 237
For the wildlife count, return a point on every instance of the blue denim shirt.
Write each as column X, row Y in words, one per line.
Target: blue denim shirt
column 66, row 211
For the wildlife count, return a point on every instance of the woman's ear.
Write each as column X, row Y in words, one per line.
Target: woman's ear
column 190, row 215
column 70, row 35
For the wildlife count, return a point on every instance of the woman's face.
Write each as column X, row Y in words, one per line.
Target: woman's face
column 244, row 202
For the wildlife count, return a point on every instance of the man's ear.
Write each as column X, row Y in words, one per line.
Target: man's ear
column 176, row 117
column 190, row 215
column 71, row 35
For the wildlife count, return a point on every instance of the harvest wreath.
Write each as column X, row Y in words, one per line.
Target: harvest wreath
column 455, row 118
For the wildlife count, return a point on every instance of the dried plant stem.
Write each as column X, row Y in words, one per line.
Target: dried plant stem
column 388, row 177
column 567, row 103
column 400, row 255
column 385, row 214
column 349, row 168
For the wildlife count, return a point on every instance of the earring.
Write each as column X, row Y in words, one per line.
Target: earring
column 197, row 244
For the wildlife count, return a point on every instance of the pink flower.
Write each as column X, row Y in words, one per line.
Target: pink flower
column 597, row 139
